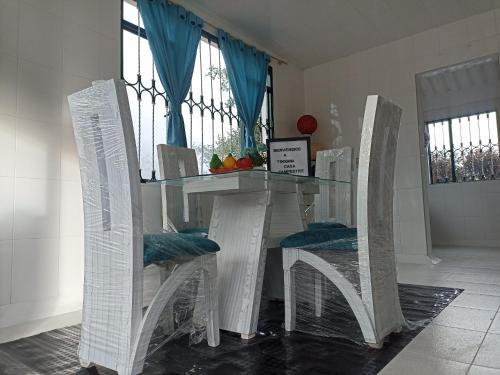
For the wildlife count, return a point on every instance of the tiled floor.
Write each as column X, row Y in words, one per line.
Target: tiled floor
column 465, row 337
column 272, row 352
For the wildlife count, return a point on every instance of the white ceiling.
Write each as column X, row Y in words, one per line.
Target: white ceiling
column 461, row 89
column 308, row 33
column 481, row 72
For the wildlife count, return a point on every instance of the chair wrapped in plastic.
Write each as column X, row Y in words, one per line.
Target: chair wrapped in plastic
column 333, row 204
column 116, row 330
column 181, row 212
column 358, row 263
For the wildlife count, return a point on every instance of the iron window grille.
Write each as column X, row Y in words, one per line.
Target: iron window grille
column 463, row 148
column 210, row 115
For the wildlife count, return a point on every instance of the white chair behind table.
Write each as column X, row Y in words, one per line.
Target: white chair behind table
column 115, row 333
column 376, row 303
column 181, row 212
column 334, row 202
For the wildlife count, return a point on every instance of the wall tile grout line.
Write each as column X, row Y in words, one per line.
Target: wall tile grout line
column 18, row 61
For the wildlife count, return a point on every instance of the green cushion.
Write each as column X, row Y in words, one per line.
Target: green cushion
column 325, row 225
column 197, row 231
column 159, row 247
column 343, row 239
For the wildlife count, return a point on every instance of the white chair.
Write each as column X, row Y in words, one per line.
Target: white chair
column 373, row 296
column 115, row 333
column 182, row 212
column 333, row 204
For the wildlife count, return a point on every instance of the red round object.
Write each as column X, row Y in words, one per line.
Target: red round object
column 307, row 124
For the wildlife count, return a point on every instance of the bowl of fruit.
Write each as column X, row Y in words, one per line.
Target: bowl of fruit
column 229, row 164
column 252, row 159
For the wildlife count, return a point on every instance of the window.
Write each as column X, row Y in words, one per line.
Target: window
column 210, row 115
column 463, row 148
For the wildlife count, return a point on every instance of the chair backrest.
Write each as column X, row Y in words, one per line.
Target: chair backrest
column 179, row 209
column 375, row 193
column 334, row 202
column 105, row 140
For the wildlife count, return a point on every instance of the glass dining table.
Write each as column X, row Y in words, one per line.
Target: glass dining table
column 253, row 211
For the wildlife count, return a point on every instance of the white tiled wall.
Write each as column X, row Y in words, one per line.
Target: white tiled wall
column 335, row 93
column 48, row 49
column 5, row 271
column 465, row 214
column 288, row 89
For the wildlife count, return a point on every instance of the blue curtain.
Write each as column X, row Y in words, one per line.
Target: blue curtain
column 173, row 35
column 247, row 74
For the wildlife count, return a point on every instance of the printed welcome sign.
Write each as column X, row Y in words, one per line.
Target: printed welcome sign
column 289, row 155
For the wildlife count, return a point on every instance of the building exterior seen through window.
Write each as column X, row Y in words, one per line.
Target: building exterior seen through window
column 210, row 114
column 463, row 148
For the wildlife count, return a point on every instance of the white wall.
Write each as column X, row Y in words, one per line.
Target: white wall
column 288, row 88
column 465, row 214
column 336, row 92
column 462, row 214
column 48, row 49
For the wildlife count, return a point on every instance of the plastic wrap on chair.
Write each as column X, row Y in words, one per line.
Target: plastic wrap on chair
column 334, row 202
column 188, row 213
column 182, row 315
column 368, row 280
column 116, row 325
column 325, row 307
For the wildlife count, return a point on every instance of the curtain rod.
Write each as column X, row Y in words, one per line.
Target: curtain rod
column 278, row 60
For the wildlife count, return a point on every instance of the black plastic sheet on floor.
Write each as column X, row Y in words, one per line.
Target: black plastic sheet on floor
column 271, row 352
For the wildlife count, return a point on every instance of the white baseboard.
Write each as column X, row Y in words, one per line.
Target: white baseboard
column 487, row 244
column 16, row 314
column 414, row 259
column 38, row 326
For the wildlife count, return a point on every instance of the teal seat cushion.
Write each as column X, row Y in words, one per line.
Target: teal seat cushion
column 198, row 231
column 341, row 239
column 325, row 225
column 159, row 247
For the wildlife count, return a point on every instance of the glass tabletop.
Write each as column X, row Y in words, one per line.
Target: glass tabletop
column 254, row 174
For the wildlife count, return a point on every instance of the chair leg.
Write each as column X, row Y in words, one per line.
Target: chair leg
column 348, row 291
column 289, row 258
column 290, row 303
column 318, row 294
column 167, row 319
column 85, row 363
column 375, row 345
column 199, row 307
column 211, row 301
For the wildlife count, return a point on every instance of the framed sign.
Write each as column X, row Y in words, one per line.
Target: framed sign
column 289, row 155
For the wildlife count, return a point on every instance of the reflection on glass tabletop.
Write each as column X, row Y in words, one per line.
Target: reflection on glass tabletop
column 254, row 174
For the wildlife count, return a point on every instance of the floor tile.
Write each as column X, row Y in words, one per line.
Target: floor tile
column 479, row 370
column 489, row 353
column 450, row 343
column 473, row 277
column 495, row 326
column 410, row 363
column 477, row 301
column 463, row 317
column 451, row 335
column 479, row 288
